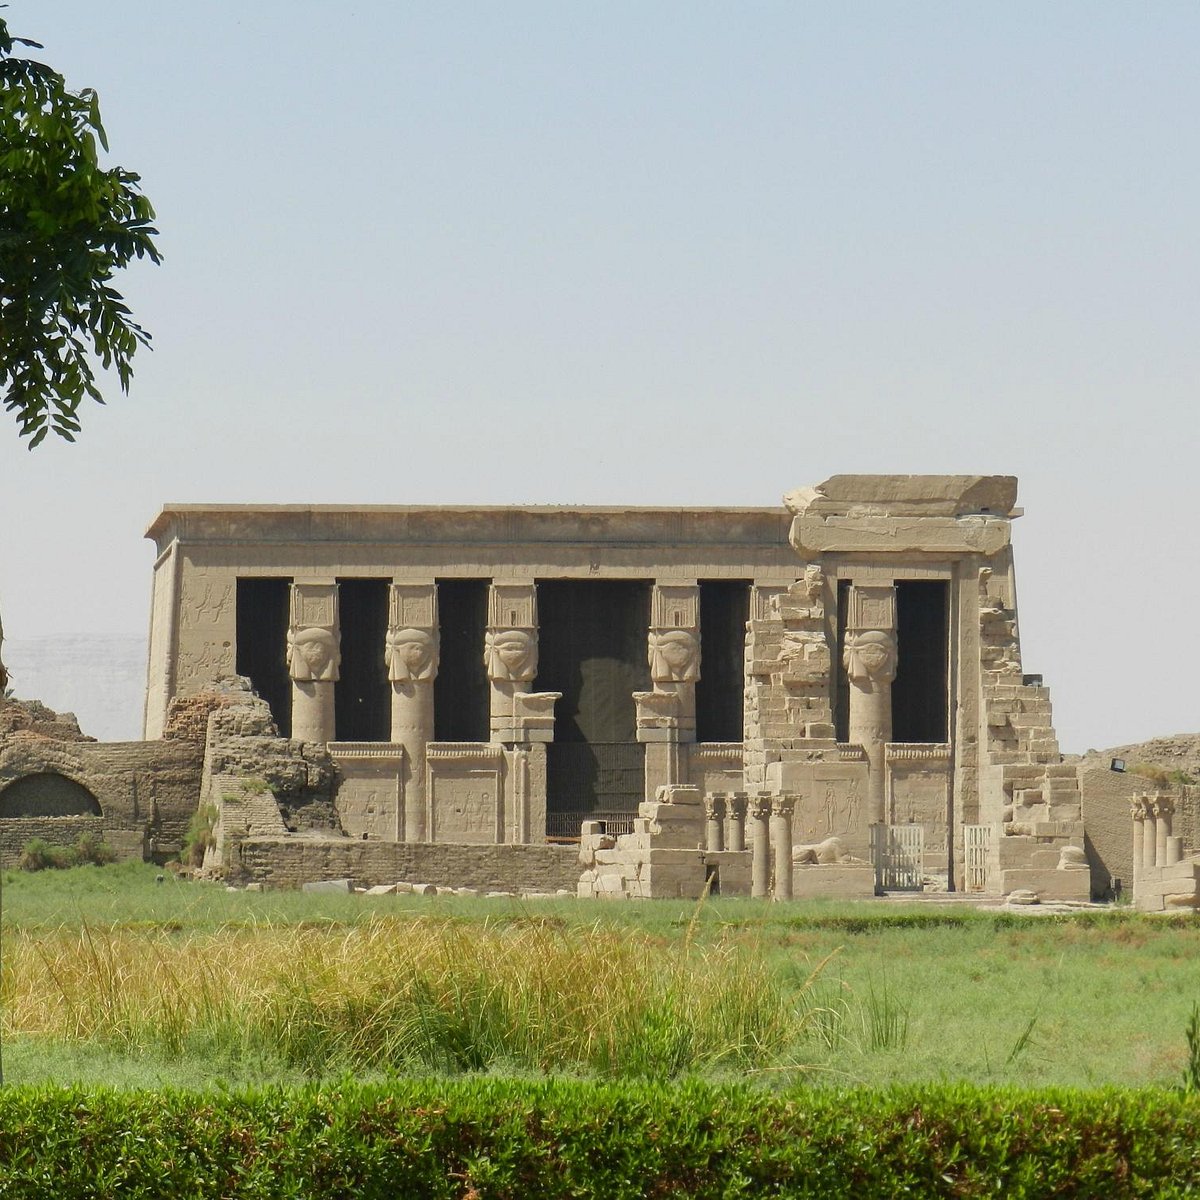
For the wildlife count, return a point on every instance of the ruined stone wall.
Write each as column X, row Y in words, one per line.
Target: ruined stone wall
column 282, row 862
column 148, row 789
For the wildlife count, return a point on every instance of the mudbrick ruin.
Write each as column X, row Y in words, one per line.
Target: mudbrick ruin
column 821, row 699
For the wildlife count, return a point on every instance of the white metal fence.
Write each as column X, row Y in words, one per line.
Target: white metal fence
column 977, row 841
column 898, row 854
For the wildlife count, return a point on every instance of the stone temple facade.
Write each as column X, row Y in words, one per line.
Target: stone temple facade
column 826, row 697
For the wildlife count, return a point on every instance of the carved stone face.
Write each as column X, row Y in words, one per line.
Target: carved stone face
column 511, row 654
column 674, row 656
column 411, row 654
column 871, row 656
column 312, row 655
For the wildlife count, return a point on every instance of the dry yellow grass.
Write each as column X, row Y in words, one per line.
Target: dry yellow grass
column 404, row 993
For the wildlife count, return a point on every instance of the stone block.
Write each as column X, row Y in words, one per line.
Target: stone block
column 1049, row 884
column 341, row 887
column 836, row 880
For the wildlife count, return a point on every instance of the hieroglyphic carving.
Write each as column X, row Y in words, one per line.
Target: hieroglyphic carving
column 922, row 798
column 209, row 607
column 833, row 805
column 464, row 806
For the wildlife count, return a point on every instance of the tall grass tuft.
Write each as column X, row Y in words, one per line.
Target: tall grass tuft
column 884, row 1018
column 406, row 995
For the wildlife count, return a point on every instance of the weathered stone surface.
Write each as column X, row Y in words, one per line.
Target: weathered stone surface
column 341, row 887
column 908, row 495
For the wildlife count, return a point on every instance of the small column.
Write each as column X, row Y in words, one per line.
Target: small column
column 510, row 653
column 1137, row 813
column 1150, row 839
column 314, row 655
column 1164, row 809
column 714, row 816
column 870, row 656
column 735, row 821
column 781, row 839
column 760, row 862
column 411, row 654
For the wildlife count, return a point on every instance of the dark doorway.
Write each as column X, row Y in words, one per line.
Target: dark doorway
column 461, row 697
column 720, row 691
column 362, row 696
column 920, row 692
column 592, row 648
column 263, row 609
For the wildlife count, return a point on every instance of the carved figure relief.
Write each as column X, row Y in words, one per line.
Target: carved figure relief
column 210, row 607
column 313, row 655
column 871, row 657
column 411, row 655
column 510, row 654
column 674, row 656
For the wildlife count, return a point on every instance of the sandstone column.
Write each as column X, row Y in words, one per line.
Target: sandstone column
column 760, row 861
column 314, row 654
column 735, row 821
column 667, row 716
column 411, row 654
column 1137, row 812
column 1150, row 838
column 1164, row 808
column 870, row 656
column 781, row 839
column 510, row 653
column 714, row 814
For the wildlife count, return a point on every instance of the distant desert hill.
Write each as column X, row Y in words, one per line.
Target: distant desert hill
column 1177, row 752
column 102, row 680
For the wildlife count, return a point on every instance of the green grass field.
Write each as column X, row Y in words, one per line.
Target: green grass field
column 111, row 977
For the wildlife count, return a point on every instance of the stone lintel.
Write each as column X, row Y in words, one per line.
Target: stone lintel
column 814, row 534
column 907, row 495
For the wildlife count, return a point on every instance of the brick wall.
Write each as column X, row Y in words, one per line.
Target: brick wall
column 289, row 862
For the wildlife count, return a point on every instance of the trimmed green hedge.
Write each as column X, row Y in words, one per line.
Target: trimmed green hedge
column 489, row 1138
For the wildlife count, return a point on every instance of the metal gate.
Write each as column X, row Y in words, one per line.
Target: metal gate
column 977, row 841
column 898, row 854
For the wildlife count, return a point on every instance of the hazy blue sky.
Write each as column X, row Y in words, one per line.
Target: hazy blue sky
column 656, row 253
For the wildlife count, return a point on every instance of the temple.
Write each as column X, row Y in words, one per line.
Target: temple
column 846, row 666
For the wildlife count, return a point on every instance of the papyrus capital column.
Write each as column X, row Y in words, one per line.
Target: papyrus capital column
column 870, row 655
column 759, row 812
column 1137, row 813
column 714, row 817
column 314, row 655
column 735, row 821
column 1164, row 811
column 410, row 651
column 510, row 654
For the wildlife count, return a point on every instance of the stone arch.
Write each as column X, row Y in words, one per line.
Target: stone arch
column 48, row 794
